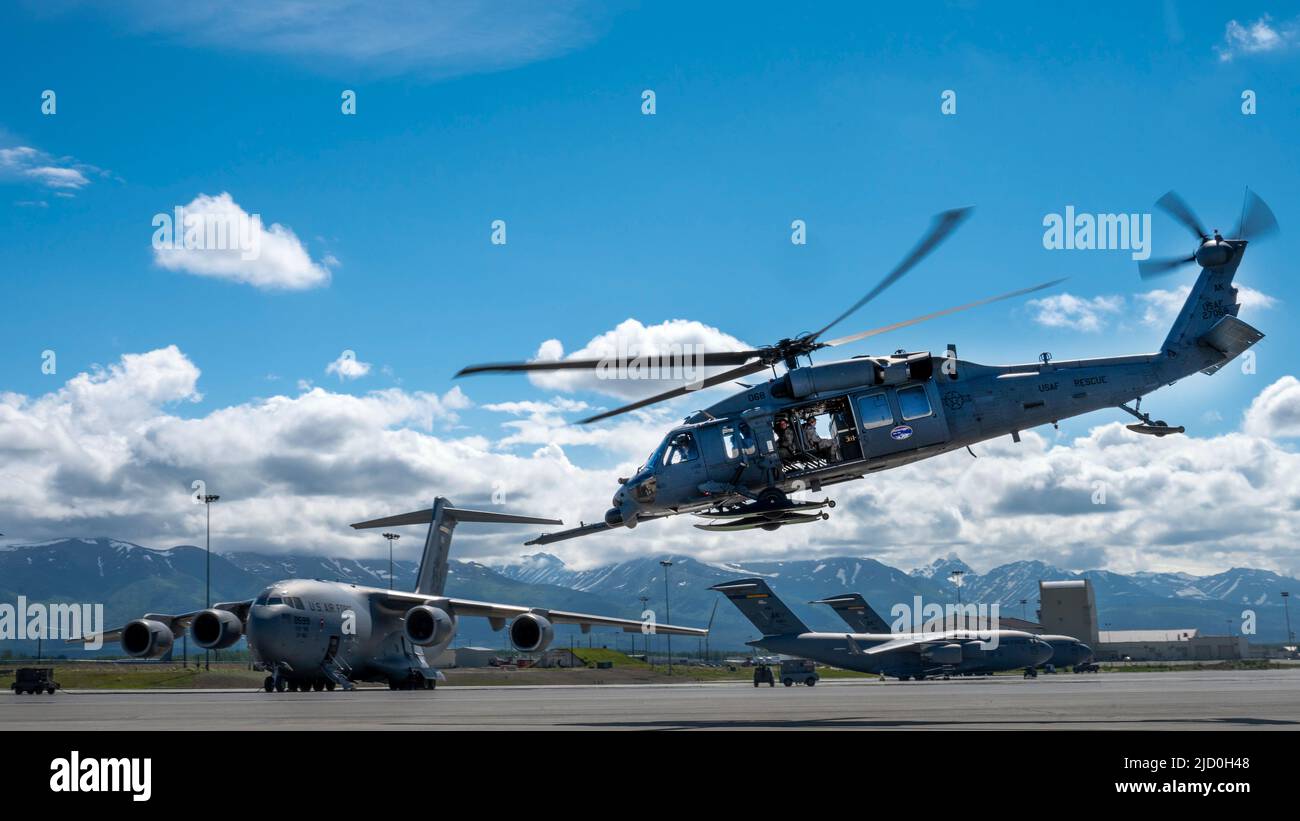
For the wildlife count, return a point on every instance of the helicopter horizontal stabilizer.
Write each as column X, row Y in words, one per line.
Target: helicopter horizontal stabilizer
column 1230, row 337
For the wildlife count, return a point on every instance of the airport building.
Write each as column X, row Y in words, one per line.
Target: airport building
column 1069, row 608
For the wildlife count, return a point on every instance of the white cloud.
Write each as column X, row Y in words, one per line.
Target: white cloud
column 220, row 239
column 439, row 38
column 347, row 366
column 628, row 340
column 1161, row 306
column 1260, row 37
column 1276, row 411
column 1077, row 313
column 64, row 175
column 110, row 454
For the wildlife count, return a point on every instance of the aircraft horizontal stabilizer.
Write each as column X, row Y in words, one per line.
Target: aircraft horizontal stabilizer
column 1230, row 337
column 424, row 517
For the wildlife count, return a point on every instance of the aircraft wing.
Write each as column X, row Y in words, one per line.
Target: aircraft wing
column 906, row 644
column 501, row 612
column 178, row 622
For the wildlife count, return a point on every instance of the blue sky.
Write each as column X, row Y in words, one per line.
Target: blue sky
column 764, row 115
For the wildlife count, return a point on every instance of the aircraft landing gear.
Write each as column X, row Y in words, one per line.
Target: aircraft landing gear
column 415, row 680
column 771, row 510
column 274, row 683
column 1145, row 425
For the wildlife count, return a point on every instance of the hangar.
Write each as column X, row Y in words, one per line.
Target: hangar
column 1070, row 608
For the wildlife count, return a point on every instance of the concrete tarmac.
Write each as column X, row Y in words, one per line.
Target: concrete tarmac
column 1264, row 699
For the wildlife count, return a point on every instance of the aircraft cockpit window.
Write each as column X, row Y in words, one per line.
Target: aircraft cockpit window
column 873, row 410
column 275, row 600
column 262, row 598
column 681, row 449
column 913, row 402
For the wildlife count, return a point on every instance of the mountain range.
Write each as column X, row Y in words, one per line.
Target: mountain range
column 130, row 580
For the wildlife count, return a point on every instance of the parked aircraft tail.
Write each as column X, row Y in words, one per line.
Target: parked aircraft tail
column 443, row 518
column 857, row 614
column 761, row 606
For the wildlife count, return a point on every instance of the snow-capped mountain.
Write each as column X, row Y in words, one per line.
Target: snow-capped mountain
column 131, row 580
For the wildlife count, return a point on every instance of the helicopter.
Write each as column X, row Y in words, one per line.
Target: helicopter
column 739, row 463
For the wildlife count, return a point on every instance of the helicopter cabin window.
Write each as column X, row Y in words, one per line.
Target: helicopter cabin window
column 873, row 410
column 913, row 402
column 681, row 449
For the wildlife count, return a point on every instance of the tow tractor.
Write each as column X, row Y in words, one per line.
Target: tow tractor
column 32, row 680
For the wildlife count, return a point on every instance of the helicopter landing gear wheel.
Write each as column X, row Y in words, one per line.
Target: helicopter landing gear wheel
column 773, row 497
column 268, row 684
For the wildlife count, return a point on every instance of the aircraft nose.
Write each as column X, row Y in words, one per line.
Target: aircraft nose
column 1085, row 653
column 1042, row 652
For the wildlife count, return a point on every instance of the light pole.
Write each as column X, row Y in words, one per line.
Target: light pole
column 1023, row 614
column 1286, row 598
column 668, row 613
column 955, row 578
column 645, row 637
column 391, row 537
column 207, row 572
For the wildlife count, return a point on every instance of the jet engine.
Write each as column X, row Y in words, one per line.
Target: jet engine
column 943, row 654
column 216, row 629
column 146, row 638
column 531, row 633
column 427, row 625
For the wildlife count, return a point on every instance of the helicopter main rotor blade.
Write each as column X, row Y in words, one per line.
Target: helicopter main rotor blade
column 727, row 376
column 708, row 360
column 1257, row 220
column 943, row 225
column 844, row 340
column 1176, row 207
column 1159, row 267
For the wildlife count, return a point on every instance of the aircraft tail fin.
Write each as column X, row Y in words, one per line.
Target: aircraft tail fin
column 443, row 518
column 756, row 601
column 1211, row 298
column 857, row 614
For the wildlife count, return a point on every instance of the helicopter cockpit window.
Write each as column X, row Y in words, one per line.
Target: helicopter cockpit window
column 681, row 449
column 873, row 410
column 913, row 402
